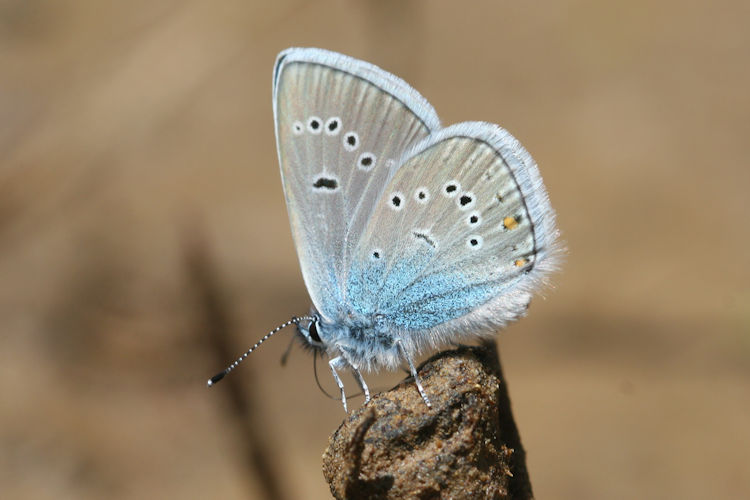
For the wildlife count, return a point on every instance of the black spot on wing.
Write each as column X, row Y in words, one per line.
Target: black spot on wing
column 424, row 237
column 325, row 183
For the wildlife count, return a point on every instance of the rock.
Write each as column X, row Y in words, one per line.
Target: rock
column 465, row 446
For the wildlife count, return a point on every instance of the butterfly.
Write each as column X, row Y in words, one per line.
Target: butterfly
column 409, row 235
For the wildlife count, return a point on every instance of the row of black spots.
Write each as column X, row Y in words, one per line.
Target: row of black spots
column 332, row 127
column 525, row 260
column 474, row 242
column 474, row 219
column 451, row 189
column 465, row 200
column 351, row 141
column 396, row 201
column 422, row 195
column 366, row 161
column 314, row 125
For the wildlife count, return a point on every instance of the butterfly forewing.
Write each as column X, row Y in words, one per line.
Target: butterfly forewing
column 462, row 233
column 342, row 126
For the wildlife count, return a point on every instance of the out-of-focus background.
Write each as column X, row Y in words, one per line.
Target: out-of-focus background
column 142, row 218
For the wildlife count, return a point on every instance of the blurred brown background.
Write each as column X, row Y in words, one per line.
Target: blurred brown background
column 139, row 185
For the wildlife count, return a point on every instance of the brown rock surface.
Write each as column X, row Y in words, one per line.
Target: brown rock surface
column 465, row 446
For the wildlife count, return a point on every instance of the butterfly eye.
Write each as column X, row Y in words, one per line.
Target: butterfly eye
column 313, row 330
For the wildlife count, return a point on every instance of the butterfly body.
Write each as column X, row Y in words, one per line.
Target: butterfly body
column 366, row 341
column 409, row 235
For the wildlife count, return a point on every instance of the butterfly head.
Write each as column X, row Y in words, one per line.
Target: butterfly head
column 310, row 332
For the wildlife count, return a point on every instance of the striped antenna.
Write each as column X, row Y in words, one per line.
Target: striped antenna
column 219, row 376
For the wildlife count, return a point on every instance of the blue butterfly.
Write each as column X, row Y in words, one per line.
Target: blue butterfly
column 409, row 235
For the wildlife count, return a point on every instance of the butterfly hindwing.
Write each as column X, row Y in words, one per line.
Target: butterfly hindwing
column 342, row 126
column 460, row 237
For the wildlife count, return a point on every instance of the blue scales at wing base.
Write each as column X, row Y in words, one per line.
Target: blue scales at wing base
column 409, row 298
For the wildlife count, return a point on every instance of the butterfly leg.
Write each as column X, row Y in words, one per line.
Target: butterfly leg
column 355, row 371
column 414, row 374
column 362, row 383
column 339, row 362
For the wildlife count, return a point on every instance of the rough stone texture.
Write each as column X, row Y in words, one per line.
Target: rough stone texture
column 465, row 446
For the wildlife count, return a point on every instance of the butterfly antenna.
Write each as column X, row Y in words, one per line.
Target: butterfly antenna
column 221, row 375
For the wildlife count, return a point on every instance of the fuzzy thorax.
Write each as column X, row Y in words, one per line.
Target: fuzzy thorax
column 365, row 342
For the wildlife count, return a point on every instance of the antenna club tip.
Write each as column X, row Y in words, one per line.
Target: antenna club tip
column 215, row 379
